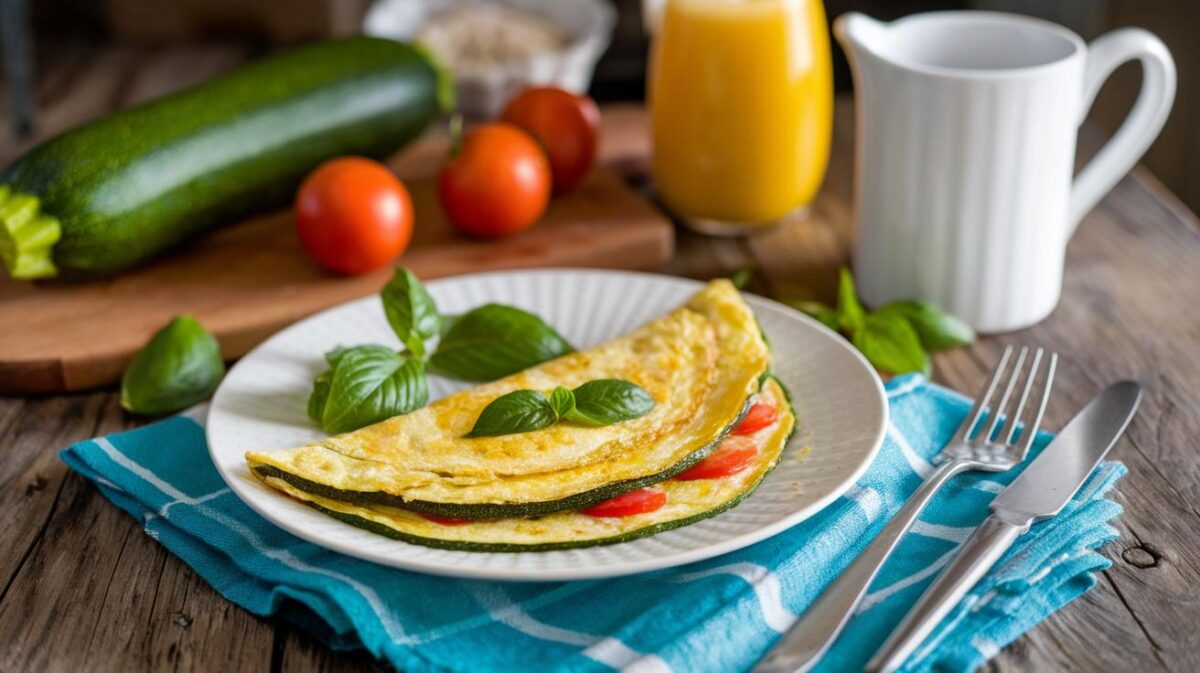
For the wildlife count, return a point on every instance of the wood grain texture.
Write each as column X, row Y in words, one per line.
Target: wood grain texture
column 82, row 588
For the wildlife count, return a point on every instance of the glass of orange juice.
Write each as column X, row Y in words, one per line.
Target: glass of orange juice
column 741, row 101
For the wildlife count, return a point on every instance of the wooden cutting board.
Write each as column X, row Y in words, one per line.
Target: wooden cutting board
column 248, row 280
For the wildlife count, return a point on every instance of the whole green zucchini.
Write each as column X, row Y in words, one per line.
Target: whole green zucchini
column 113, row 193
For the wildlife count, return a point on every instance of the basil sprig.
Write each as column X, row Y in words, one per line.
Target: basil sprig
column 366, row 384
column 180, row 366
column 899, row 336
column 595, row 403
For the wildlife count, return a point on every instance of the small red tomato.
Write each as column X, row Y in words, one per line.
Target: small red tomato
column 627, row 504
column 497, row 184
column 353, row 215
column 445, row 520
column 760, row 416
column 732, row 456
column 566, row 124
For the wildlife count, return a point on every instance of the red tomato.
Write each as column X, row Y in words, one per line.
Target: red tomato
column 353, row 215
column 444, row 520
column 627, row 504
column 732, row 456
column 760, row 416
column 497, row 184
column 566, row 124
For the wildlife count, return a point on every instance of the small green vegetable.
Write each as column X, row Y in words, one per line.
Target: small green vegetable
column 180, row 366
column 938, row 331
column 410, row 311
column 493, row 341
column 367, row 384
column 595, row 403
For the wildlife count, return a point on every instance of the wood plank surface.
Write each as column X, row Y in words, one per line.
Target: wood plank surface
column 82, row 588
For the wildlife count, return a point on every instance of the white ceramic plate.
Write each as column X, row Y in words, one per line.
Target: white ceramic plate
column 840, row 403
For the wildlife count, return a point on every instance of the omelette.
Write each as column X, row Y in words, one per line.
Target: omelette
column 703, row 364
column 687, row 501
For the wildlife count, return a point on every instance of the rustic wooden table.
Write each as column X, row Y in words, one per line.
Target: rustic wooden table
column 82, row 588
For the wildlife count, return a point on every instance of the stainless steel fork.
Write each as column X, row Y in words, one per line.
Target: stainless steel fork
column 810, row 637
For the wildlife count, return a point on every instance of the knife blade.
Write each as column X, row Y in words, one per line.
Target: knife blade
column 1053, row 478
column 1040, row 492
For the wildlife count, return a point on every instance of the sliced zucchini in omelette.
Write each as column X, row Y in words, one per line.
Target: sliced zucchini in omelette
column 701, row 363
column 686, row 502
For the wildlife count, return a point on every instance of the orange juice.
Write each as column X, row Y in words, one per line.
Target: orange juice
column 741, row 100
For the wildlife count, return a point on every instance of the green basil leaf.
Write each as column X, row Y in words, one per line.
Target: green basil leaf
column 493, row 341
column 319, row 395
column 518, row 411
column 410, row 311
column 370, row 384
column 891, row 344
column 850, row 312
column 608, row 401
column 562, row 400
column 938, row 331
column 822, row 313
column 180, row 366
column 447, row 322
column 334, row 355
column 320, row 391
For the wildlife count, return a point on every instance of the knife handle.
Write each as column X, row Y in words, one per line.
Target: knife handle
column 978, row 554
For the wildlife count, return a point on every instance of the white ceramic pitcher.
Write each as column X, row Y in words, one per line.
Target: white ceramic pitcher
column 966, row 126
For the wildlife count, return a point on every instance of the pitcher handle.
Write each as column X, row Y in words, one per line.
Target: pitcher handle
column 1140, row 127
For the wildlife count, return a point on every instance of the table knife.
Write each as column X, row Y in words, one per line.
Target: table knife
column 1040, row 492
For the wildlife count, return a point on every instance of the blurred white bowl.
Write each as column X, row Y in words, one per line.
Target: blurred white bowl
column 482, row 91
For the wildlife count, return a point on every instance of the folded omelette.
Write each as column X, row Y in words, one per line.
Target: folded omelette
column 687, row 502
column 703, row 364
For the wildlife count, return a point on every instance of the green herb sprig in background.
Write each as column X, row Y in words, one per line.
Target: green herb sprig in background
column 898, row 337
column 595, row 403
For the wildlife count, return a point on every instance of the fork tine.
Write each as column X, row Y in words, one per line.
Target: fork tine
column 1002, row 407
column 1009, row 430
column 981, row 401
column 1031, row 428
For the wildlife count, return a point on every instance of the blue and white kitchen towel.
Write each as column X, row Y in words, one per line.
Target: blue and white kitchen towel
column 719, row 615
